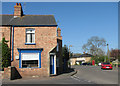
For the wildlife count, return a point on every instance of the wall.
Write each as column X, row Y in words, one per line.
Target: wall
column 11, row 73
column 73, row 60
column 87, row 59
column 45, row 37
column 59, row 56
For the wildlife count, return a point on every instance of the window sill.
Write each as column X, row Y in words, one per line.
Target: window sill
column 30, row 43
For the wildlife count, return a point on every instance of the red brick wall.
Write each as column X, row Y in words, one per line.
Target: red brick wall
column 7, row 73
column 45, row 37
column 18, row 10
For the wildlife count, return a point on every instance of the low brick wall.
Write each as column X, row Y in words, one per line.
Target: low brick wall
column 33, row 72
column 11, row 73
column 1, row 75
column 7, row 73
column 16, row 73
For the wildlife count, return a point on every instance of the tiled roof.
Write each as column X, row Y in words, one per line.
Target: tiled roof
column 86, row 55
column 28, row 20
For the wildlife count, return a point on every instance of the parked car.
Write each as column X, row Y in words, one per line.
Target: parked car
column 106, row 65
column 89, row 63
column 99, row 64
column 84, row 64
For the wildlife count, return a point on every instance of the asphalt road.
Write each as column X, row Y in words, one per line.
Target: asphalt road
column 96, row 75
column 85, row 75
column 61, row 79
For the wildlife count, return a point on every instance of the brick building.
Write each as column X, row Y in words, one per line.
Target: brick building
column 35, row 43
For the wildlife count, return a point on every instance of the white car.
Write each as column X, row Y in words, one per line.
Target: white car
column 99, row 64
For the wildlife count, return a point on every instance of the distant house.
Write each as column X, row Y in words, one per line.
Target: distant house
column 35, row 42
column 82, row 58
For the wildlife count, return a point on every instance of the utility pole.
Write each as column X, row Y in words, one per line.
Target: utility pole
column 108, row 53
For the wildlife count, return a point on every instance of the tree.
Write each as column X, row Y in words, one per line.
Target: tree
column 95, row 46
column 99, row 59
column 6, row 60
column 115, row 53
column 65, row 53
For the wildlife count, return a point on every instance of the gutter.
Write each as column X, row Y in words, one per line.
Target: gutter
column 12, row 41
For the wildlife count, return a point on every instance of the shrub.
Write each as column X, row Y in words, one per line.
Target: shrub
column 6, row 60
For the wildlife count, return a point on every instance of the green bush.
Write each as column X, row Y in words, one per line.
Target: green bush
column 6, row 58
column 99, row 59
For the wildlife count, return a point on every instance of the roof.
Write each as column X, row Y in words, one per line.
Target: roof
column 28, row 20
column 75, row 56
column 86, row 55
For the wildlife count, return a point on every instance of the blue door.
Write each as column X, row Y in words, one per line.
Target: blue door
column 51, row 64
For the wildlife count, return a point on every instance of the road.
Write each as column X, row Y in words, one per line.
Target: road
column 61, row 79
column 96, row 75
column 85, row 75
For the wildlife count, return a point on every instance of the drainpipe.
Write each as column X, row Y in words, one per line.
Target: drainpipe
column 12, row 41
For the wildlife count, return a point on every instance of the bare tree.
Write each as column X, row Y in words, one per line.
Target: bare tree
column 95, row 45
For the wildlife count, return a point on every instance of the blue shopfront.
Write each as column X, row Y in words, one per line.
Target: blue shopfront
column 30, row 58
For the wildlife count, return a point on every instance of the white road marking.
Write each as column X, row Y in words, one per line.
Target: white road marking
column 78, row 79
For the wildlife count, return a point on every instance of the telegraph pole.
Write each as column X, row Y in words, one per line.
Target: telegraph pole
column 108, row 53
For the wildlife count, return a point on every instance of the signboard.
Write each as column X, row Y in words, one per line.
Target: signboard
column 16, row 57
column 30, row 56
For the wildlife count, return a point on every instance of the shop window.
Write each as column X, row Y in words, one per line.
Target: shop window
column 29, row 63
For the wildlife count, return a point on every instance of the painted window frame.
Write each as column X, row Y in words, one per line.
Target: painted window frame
column 33, row 32
column 29, row 51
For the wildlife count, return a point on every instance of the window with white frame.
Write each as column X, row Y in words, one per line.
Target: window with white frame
column 30, row 35
column 30, row 60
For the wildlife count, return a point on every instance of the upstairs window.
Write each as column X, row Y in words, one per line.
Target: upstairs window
column 30, row 35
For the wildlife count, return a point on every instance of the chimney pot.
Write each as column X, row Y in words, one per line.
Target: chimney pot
column 18, row 10
column 58, row 32
column 19, row 4
column 16, row 4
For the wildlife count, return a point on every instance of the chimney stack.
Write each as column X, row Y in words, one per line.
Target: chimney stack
column 18, row 10
column 58, row 32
